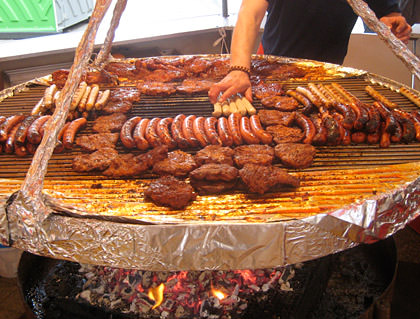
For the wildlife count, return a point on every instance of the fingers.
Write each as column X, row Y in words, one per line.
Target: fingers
column 399, row 27
column 215, row 91
column 233, row 83
column 248, row 94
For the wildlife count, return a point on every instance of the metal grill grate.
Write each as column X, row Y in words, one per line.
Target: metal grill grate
column 328, row 157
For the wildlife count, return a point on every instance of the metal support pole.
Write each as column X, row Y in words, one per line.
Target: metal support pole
column 225, row 8
column 413, row 77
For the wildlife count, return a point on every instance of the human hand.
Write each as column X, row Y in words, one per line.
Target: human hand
column 234, row 82
column 398, row 25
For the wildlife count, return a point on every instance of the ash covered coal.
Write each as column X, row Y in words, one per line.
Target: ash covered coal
column 193, row 294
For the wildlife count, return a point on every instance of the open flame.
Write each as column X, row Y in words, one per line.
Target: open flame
column 218, row 294
column 156, row 294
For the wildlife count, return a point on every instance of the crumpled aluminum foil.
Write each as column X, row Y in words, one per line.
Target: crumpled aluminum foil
column 210, row 246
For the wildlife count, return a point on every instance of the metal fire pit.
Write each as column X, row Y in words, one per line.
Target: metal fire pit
column 349, row 284
column 351, row 195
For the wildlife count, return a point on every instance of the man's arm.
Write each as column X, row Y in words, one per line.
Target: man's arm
column 244, row 35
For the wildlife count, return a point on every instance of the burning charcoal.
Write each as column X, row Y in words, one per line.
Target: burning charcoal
column 146, row 279
column 181, row 312
column 211, row 308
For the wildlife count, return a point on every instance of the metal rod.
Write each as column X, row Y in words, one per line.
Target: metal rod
column 225, row 8
column 413, row 78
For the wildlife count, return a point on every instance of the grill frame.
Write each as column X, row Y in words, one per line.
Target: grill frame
column 120, row 238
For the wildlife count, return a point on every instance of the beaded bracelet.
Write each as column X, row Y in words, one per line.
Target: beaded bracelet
column 240, row 68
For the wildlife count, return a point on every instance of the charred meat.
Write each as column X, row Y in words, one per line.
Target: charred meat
column 178, row 163
column 109, row 123
column 260, row 178
column 155, row 88
column 215, row 172
column 98, row 160
column 285, row 134
column 169, row 191
column 214, row 154
column 254, row 153
column 93, row 142
column 194, row 86
column 126, row 165
column 295, row 155
column 280, row 102
column 274, row 117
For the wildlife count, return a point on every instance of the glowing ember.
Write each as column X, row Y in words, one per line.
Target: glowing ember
column 156, row 294
column 179, row 294
column 218, row 294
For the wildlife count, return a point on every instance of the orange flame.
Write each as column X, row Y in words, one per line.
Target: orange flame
column 156, row 294
column 218, row 294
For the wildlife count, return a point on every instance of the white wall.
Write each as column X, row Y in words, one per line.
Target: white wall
column 368, row 52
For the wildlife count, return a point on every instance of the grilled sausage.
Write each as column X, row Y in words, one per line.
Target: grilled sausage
column 188, row 130
column 320, row 137
column 374, row 122
column 164, row 134
column 34, row 135
column 151, row 133
column 408, row 128
column 176, row 131
column 80, row 91
column 8, row 124
column 345, row 135
column 59, row 146
column 234, row 121
column 308, row 94
column 92, row 95
column 307, row 127
column 102, row 99
column 82, row 104
column 200, row 132
column 247, row 133
column 411, row 96
column 306, row 103
column 349, row 116
column 224, row 132
column 256, row 127
column 385, row 140
column 358, row 137
column 48, row 99
column 373, row 138
column 217, row 109
column 31, row 148
column 416, row 122
column 9, row 145
column 20, row 150
column 332, row 128
column 396, row 136
column 248, row 106
column 210, row 128
column 391, row 123
column 22, row 131
column 323, row 100
column 379, row 97
column 71, row 131
column 139, row 134
column 126, row 133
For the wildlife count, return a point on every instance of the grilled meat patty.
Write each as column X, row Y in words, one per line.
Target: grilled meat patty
column 295, row 155
column 169, row 191
column 261, row 178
